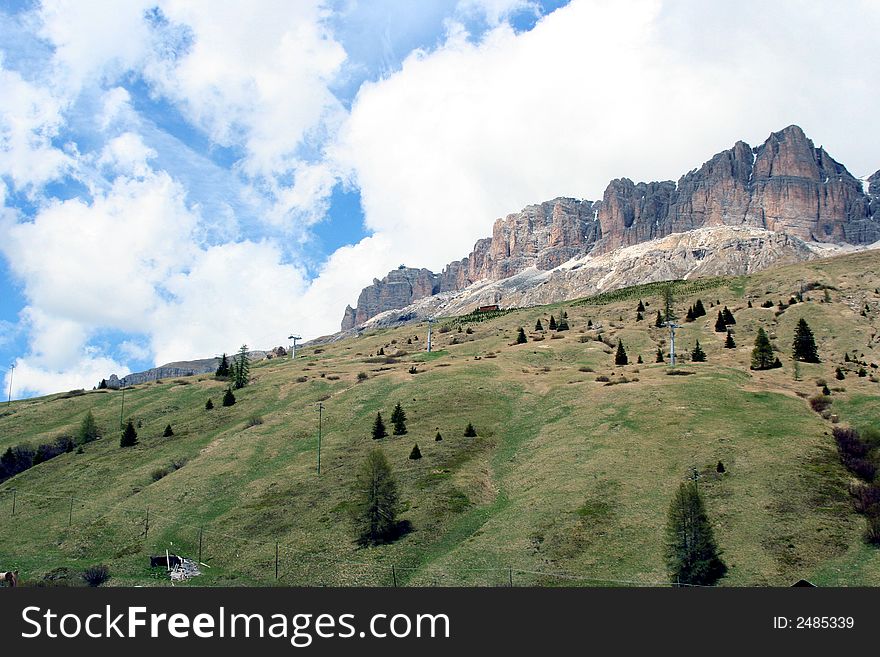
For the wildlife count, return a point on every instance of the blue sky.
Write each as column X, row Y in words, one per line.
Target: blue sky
column 178, row 179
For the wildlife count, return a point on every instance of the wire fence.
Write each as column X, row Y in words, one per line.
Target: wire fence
column 133, row 535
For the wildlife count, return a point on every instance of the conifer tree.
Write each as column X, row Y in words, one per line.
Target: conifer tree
column 209, row 404
column 589, row 323
column 469, row 431
column 381, row 351
column 692, row 556
column 689, row 317
column 102, row 385
column 379, row 427
column 129, row 436
column 168, row 431
column 416, row 453
column 521, row 336
column 660, row 356
column 241, row 368
column 620, row 358
column 698, row 355
column 563, row 324
column 639, row 317
column 223, row 368
column 762, row 354
column 88, row 430
column 699, row 309
column 538, row 325
column 750, row 304
column 438, row 437
column 720, row 325
column 639, row 360
column 552, row 324
column 228, row 397
column 728, row 316
column 838, row 373
column 641, row 307
column 376, row 501
column 728, row 342
column 398, row 419
column 804, row 345
column 659, row 321
column 668, row 302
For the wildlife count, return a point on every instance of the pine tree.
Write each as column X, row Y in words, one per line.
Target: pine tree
column 469, row 431
column 750, row 304
column 102, row 385
column 168, row 431
column 660, row 356
column 398, row 419
column 668, row 302
column 728, row 316
column 589, row 323
column 375, row 505
column 620, row 358
column 659, row 321
column 538, row 325
column 241, row 368
column 838, row 373
column 223, row 368
column 641, row 307
column 762, row 354
column 228, row 397
column 692, row 555
column 689, row 317
column 416, row 453
column 720, row 469
column 521, row 336
column 129, row 436
column 381, row 351
column 563, row 324
column 552, row 323
column 720, row 324
column 698, row 355
column 379, row 427
column 564, row 314
column 728, row 342
column 209, row 404
column 804, row 346
column 699, row 309
column 639, row 317
column 639, row 360
column 438, row 437
column 88, row 430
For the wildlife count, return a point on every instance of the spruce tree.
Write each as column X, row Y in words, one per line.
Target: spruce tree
column 521, row 336
column 639, row 360
column 659, row 321
column 102, row 385
column 168, row 431
column 379, row 427
column 750, row 304
column 728, row 316
column 469, row 431
column 416, row 453
column 699, row 309
column 223, row 368
column 241, row 368
column 838, row 373
column 804, row 345
column 639, row 317
column 538, row 325
column 438, row 437
column 720, row 324
column 375, row 506
column 692, row 556
column 228, row 397
column 398, row 419
column 563, row 324
column 129, row 436
column 589, row 323
column 698, row 355
column 641, row 307
column 660, row 356
column 689, row 317
column 762, row 354
column 620, row 358
column 552, row 323
column 88, row 430
column 668, row 302
column 209, row 404
column 728, row 342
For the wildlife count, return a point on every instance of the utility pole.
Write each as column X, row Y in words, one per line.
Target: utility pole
column 122, row 409
column 293, row 349
column 672, row 326
column 320, row 419
column 11, row 372
column 430, row 321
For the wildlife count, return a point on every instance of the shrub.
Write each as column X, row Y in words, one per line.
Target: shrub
column 413, row 370
column 820, row 403
column 872, row 531
column 602, row 378
column 168, row 431
column 838, row 373
column 416, row 453
column 469, row 431
column 438, row 437
column 209, row 404
column 254, row 420
column 302, row 379
column 584, row 368
column 96, row 575
column 362, row 376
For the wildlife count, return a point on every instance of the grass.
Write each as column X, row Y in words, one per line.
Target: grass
column 567, row 482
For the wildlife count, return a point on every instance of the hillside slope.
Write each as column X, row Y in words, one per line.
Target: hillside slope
column 567, row 482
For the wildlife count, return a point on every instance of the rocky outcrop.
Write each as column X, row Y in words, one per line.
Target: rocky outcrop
column 786, row 185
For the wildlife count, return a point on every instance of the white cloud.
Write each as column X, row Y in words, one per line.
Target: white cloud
column 127, row 155
column 89, row 369
column 496, row 11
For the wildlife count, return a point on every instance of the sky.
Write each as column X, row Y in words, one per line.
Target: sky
column 181, row 177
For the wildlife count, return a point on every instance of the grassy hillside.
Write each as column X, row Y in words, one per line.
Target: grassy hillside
column 567, row 482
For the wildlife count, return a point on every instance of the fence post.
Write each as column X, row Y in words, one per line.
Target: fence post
column 276, row 559
column 201, row 529
column 393, row 576
column 510, row 576
column 147, row 523
column 70, row 513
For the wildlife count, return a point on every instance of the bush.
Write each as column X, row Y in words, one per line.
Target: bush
column 820, row 403
column 362, row 376
column 302, row 379
column 254, row 420
column 438, row 437
column 168, row 431
column 209, row 404
column 416, row 453
column 96, row 575
column 602, row 378
column 469, row 431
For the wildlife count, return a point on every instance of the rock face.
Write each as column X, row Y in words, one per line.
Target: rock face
column 786, row 185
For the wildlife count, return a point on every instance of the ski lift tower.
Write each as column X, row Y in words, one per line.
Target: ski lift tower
column 293, row 348
column 672, row 326
column 430, row 321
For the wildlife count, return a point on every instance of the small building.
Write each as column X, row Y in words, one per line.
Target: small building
column 487, row 309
